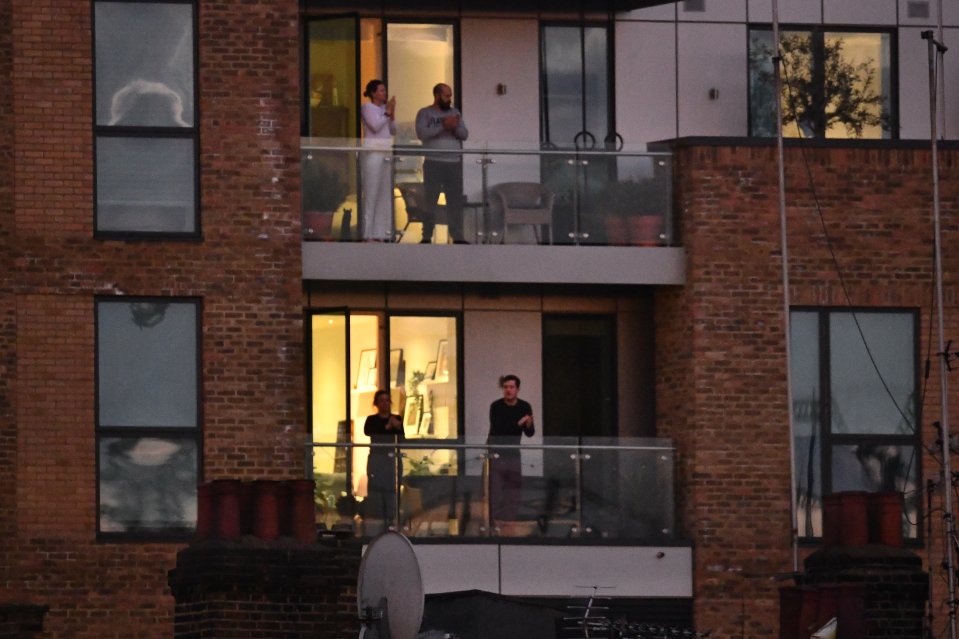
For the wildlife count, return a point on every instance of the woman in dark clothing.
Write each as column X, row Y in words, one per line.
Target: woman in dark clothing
column 384, row 466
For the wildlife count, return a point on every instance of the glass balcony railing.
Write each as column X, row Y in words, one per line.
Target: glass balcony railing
column 611, row 489
column 510, row 195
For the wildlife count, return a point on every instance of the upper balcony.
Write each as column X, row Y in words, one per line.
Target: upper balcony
column 525, row 215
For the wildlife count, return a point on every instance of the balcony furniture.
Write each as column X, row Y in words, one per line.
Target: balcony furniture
column 414, row 199
column 525, row 204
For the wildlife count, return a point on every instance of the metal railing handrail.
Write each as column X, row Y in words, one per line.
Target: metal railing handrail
column 413, row 149
column 460, row 446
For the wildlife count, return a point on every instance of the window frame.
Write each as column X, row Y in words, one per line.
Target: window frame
column 149, row 132
column 827, row 438
column 818, row 32
column 611, row 133
column 194, row 433
column 384, row 316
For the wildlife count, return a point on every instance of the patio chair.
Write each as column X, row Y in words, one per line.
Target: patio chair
column 525, row 204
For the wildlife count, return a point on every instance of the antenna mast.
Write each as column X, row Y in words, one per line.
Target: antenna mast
column 787, row 331
column 936, row 50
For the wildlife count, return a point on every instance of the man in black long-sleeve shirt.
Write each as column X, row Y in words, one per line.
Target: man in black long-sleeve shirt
column 509, row 419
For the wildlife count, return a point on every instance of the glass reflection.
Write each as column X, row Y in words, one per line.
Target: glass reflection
column 144, row 64
column 147, row 484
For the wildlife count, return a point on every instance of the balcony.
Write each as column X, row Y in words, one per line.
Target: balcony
column 612, row 490
column 529, row 215
column 598, row 509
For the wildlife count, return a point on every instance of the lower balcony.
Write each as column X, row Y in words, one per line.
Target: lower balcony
column 535, row 520
column 487, row 215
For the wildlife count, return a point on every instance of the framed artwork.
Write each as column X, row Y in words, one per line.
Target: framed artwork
column 397, row 372
column 426, row 424
column 411, row 414
column 366, row 364
column 430, row 370
column 443, row 359
column 371, row 377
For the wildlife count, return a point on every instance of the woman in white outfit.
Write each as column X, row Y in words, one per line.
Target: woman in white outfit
column 378, row 130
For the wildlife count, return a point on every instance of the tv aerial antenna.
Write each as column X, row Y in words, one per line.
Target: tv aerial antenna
column 389, row 590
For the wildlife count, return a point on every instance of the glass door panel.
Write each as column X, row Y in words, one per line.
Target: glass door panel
column 425, row 349
column 330, row 421
column 418, row 56
column 331, row 76
column 575, row 86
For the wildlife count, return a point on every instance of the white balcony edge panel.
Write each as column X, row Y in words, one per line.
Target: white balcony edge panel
column 557, row 571
column 519, row 264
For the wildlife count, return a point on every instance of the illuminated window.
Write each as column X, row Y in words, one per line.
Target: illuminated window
column 836, row 84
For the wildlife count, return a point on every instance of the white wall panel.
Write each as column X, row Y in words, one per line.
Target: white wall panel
column 631, row 571
column 497, row 343
column 500, row 52
column 715, row 10
column 933, row 18
column 950, row 13
column 645, row 81
column 791, row 11
column 913, row 85
column 451, row 568
column 951, row 94
column 879, row 12
column 712, row 56
column 659, row 12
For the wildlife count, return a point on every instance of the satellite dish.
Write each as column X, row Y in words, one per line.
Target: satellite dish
column 390, row 589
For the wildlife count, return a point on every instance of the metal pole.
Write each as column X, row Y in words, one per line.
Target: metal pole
column 787, row 331
column 936, row 48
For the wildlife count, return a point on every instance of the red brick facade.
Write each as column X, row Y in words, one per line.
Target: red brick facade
column 721, row 381
column 721, row 390
column 246, row 271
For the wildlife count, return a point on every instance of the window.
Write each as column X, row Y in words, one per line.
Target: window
column 148, row 415
column 417, row 361
column 576, row 86
column 855, row 408
column 836, row 84
column 145, row 128
column 345, row 53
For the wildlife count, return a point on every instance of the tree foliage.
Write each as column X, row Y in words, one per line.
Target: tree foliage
column 820, row 90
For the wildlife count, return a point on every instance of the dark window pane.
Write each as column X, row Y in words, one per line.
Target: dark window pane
column 147, row 484
column 575, row 84
column 147, row 364
column 862, row 401
column 146, row 184
column 804, row 327
column 144, row 64
column 880, row 468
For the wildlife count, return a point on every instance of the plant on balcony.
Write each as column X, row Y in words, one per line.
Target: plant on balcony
column 630, row 211
column 323, row 193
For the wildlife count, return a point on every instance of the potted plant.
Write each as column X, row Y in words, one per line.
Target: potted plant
column 323, row 193
column 629, row 209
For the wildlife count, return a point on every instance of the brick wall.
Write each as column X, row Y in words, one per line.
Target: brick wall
column 8, row 433
column 720, row 359
column 246, row 270
column 267, row 589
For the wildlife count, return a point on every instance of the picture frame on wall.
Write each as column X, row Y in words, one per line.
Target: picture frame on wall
column 397, row 366
column 366, row 364
column 442, row 359
column 411, row 413
column 430, row 370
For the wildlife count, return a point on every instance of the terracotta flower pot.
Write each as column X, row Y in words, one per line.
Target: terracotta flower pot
column 617, row 233
column 644, row 230
column 318, row 225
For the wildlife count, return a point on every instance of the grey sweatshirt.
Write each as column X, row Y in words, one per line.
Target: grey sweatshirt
column 429, row 129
